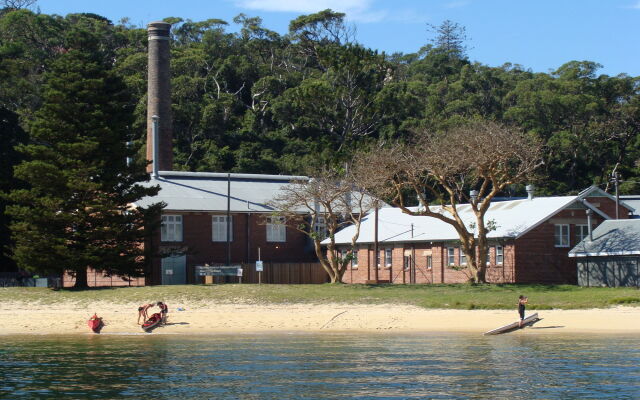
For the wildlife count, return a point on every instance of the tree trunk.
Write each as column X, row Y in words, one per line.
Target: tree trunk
column 81, row 279
column 481, row 272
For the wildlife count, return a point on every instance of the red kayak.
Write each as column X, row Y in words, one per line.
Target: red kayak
column 95, row 323
column 152, row 322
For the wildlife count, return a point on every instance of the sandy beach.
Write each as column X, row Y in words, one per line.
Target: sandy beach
column 185, row 318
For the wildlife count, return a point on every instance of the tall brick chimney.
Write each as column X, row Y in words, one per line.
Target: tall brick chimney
column 159, row 96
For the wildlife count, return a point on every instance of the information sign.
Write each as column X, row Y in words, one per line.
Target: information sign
column 218, row 270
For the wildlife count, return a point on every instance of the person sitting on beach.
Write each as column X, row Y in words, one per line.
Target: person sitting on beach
column 522, row 301
column 143, row 313
column 164, row 309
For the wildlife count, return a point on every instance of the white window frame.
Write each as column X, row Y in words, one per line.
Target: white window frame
column 219, row 225
column 171, row 228
column 451, row 256
column 462, row 257
column 499, row 255
column 388, row 257
column 320, row 227
column 582, row 232
column 276, row 230
column 354, row 260
column 561, row 235
column 489, row 255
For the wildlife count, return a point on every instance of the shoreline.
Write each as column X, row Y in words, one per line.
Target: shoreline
column 18, row 318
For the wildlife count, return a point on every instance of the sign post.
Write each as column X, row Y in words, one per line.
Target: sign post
column 259, row 268
column 259, row 271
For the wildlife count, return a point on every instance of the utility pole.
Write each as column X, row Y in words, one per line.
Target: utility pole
column 615, row 177
column 376, row 251
column 228, row 219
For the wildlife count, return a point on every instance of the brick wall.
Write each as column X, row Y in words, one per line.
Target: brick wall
column 538, row 260
column 420, row 272
column 249, row 234
column 608, row 206
column 99, row 279
column 532, row 258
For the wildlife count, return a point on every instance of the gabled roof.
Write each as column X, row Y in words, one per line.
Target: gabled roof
column 204, row 191
column 207, row 191
column 512, row 218
column 611, row 238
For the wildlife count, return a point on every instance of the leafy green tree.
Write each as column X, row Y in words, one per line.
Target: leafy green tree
column 77, row 210
column 28, row 42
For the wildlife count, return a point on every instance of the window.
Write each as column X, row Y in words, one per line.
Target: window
column 429, row 262
column 171, row 230
column 276, row 229
column 320, row 227
column 387, row 257
column 561, row 235
column 451, row 259
column 354, row 259
column 219, row 228
column 582, row 231
column 499, row 255
column 488, row 255
column 463, row 257
column 343, row 254
column 406, row 263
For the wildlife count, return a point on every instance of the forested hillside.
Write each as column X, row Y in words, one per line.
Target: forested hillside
column 247, row 99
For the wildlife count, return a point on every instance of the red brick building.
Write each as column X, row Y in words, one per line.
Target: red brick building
column 529, row 245
column 194, row 224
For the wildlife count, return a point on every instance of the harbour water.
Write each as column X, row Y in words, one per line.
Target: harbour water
column 320, row 366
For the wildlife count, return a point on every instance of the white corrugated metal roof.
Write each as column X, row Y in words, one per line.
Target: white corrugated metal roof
column 202, row 191
column 512, row 219
column 611, row 238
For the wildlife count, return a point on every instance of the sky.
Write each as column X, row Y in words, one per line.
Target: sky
column 540, row 35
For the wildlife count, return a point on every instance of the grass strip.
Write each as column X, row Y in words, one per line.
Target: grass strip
column 541, row 297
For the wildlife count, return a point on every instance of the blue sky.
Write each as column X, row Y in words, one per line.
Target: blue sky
column 541, row 35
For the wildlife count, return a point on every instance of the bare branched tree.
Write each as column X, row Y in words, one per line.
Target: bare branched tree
column 441, row 169
column 17, row 4
column 319, row 207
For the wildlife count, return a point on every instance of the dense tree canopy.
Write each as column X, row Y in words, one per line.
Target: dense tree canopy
column 248, row 99
column 75, row 209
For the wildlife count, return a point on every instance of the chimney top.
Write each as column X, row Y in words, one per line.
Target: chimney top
column 158, row 30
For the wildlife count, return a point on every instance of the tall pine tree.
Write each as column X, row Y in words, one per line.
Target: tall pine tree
column 10, row 136
column 76, row 213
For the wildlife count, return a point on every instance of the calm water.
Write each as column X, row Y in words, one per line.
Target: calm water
column 328, row 366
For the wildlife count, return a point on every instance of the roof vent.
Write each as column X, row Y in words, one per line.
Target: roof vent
column 530, row 191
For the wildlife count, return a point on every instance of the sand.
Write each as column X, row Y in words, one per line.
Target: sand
column 23, row 318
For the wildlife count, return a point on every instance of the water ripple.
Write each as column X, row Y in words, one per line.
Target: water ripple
column 328, row 366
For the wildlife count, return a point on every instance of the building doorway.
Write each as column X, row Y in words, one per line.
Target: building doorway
column 174, row 270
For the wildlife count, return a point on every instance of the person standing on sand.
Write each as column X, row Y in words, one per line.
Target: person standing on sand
column 522, row 301
column 142, row 312
column 164, row 309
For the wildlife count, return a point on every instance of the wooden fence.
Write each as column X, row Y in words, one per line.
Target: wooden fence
column 278, row 273
column 286, row 273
